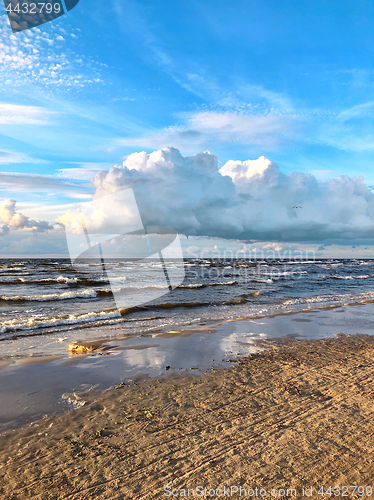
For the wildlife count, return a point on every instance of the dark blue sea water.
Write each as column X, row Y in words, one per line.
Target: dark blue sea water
column 46, row 303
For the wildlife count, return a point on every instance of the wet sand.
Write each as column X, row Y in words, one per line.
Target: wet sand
column 35, row 385
column 300, row 414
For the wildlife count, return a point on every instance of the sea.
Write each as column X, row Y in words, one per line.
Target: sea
column 47, row 303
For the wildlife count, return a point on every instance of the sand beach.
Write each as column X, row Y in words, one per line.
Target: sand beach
column 297, row 415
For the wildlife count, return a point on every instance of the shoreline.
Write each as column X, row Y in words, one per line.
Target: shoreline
column 183, row 330
column 54, row 343
column 32, row 387
column 298, row 414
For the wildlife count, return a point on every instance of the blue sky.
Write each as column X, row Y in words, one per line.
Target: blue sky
column 291, row 81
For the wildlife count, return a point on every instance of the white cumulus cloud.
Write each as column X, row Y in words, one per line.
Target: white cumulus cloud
column 16, row 220
column 243, row 200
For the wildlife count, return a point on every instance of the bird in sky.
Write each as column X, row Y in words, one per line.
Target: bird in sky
column 296, row 207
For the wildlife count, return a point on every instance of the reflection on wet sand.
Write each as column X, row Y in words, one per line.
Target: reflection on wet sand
column 32, row 386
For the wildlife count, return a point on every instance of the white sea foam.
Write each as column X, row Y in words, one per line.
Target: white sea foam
column 53, row 296
column 346, row 277
column 36, row 322
column 202, row 285
column 60, row 279
column 336, row 299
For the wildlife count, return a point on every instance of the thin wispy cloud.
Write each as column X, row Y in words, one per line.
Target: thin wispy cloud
column 15, row 114
column 34, row 183
column 350, row 129
column 270, row 121
column 83, row 172
column 211, row 129
column 7, row 157
column 250, row 98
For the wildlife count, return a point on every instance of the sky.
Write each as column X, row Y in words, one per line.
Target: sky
column 279, row 93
